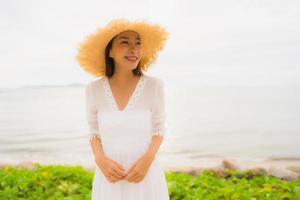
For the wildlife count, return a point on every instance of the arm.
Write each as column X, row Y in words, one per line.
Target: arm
column 158, row 116
column 91, row 116
column 154, row 146
column 97, row 148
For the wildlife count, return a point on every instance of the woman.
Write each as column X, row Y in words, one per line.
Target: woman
column 125, row 110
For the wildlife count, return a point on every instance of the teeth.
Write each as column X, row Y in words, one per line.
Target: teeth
column 131, row 58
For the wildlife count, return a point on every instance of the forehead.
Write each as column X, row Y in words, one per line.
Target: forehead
column 128, row 35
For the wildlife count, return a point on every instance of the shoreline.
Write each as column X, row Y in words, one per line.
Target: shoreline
column 288, row 169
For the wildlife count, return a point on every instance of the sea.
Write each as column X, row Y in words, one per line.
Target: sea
column 47, row 124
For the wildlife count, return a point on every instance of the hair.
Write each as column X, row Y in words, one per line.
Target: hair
column 110, row 64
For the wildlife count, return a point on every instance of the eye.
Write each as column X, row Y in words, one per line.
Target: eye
column 126, row 42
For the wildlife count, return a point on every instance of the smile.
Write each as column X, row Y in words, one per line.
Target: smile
column 131, row 58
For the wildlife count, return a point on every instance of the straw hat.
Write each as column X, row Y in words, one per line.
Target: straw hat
column 91, row 52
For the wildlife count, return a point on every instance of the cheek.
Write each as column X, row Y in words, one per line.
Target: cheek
column 122, row 49
column 119, row 51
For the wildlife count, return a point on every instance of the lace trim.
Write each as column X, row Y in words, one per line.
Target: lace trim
column 159, row 133
column 108, row 94
column 93, row 136
column 133, row 98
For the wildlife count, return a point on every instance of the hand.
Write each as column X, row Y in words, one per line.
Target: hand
column 111, row 169
column 139, row 169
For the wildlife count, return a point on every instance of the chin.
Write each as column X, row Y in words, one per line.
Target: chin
column 132, row 67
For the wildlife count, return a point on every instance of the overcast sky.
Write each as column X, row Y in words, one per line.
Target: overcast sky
column 233, row 42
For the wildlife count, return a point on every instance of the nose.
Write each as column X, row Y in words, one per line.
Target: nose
column 133, row 48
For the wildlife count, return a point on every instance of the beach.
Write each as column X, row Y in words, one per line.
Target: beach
column 253, row 127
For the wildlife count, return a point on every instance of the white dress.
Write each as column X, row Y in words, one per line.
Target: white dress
column 126, row 135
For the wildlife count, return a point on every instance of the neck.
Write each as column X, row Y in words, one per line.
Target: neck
column 123, row 76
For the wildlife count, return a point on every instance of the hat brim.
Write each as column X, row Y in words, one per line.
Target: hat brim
column 91, row 52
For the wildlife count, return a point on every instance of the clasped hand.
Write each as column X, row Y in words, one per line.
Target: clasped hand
column 114, row 172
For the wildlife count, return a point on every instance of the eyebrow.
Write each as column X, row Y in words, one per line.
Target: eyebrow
column 123, row 37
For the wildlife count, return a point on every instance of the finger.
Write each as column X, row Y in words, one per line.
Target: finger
column 113, row 179
column 130, row 169
column 119, row 166
column 121, row 171
column 117, row 173
column 129, row 175
column 137, row 179
column 109, row 179
column 128, row 172
column 111, row 173
column 134, row 178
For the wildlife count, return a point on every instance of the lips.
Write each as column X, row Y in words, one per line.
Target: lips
column 131, row 58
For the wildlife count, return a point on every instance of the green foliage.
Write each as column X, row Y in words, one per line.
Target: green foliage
column 45, row 182
column 52, row 182
column 233, row 185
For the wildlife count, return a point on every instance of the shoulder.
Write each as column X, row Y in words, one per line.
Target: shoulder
column 92, row 87
column 155, row 81
column 94, row 83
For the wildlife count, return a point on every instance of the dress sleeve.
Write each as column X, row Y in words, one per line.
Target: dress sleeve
column 91, row 112
column 158, row 113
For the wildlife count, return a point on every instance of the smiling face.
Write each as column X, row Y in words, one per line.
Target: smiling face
column 126, row 50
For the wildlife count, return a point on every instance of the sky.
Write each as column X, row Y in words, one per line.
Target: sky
column 233, row 42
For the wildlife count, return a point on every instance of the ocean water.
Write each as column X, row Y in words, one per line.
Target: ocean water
column 47, row 124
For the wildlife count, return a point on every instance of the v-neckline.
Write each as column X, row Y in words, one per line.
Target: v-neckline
column 133, row 96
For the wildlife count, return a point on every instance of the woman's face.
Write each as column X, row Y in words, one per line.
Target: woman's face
column 126, row 49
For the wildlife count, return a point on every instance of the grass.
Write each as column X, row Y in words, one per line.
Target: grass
column 53, row 182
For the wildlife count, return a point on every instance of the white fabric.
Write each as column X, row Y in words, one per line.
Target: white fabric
column 126, row 135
